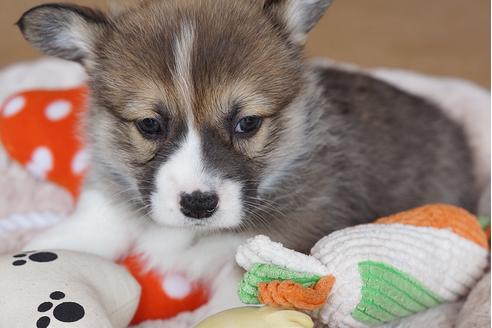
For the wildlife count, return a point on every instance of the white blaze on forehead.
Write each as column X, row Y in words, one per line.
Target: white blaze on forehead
column 184, row 171
column 183, row 50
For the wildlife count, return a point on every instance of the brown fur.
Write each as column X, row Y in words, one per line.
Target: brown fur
column 239, row 57
column 335, row 148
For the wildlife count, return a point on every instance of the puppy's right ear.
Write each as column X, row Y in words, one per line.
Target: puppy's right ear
column 65, row 31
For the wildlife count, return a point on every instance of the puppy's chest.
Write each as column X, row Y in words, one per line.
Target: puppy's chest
column 186, row 253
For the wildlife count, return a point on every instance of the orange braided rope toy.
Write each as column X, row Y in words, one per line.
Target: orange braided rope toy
column 290, row 294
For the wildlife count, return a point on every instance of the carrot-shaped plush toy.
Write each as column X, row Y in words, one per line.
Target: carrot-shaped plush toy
column 371, row 274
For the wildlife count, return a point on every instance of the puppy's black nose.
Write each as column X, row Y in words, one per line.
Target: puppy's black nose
column 199, row 205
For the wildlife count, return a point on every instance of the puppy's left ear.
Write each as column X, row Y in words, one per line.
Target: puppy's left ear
column 297, row 16
column 62, row 30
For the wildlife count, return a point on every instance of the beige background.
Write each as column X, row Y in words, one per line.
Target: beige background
column 445, row 37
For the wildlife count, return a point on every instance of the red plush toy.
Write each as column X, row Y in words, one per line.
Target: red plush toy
column 38, row 129
column 164, row 295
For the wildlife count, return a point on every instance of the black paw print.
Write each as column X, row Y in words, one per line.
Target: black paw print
column 64, row 312
column 34, row 256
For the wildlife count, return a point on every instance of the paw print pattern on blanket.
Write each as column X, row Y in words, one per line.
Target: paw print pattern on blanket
column 40, row 257
column 63, row 312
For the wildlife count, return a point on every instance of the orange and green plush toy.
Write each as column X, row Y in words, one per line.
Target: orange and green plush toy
column 39, row 130
column 371, row 274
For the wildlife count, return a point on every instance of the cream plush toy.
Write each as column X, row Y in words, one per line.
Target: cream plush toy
column 371, row 274
column 65, row 289
column 258, row 317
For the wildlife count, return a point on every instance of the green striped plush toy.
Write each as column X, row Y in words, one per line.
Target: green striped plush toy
column 371, row 274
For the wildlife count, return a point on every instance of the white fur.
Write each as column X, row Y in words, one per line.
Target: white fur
column 296, row 14
column 74, row 37
column 183, row 50
column 184, row 172
column 181, row 173
column 98, row 226
column 181, row 250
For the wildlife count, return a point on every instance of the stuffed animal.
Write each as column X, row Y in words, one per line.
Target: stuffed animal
column 51, row 287
column 371, row 274
column 163, row 295
column 65, row 289
column 51, row 149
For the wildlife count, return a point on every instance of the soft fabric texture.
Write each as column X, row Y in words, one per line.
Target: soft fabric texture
column 265, row 317
column 163, row 296
column 381, row 272
column 51, row 149
column 49, row 288
column 28, row 204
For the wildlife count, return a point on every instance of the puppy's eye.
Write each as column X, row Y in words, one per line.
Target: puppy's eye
column 248, row 126
column 149, row 127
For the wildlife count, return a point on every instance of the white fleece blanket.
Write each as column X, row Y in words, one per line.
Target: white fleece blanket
column 28, row 205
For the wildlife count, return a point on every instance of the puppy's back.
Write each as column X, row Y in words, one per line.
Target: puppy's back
column 412, row 153
column 379, row 150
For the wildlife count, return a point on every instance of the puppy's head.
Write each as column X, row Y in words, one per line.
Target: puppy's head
column 187, row 97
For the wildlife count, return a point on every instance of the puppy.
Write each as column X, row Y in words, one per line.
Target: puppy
column 206, row 125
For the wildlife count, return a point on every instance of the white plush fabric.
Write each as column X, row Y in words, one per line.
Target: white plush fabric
column 61, row 287
column 261, row 249
column 47, row 73
column 22, row 197
column 447, row 264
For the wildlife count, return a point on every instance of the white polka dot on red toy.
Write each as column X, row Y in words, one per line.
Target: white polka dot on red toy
column 58, row 110
column 80, row 162
column 41, row 162
column 176, row 286
column 14, row 106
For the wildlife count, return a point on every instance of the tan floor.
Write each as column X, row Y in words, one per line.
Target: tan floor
column 446, row 37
